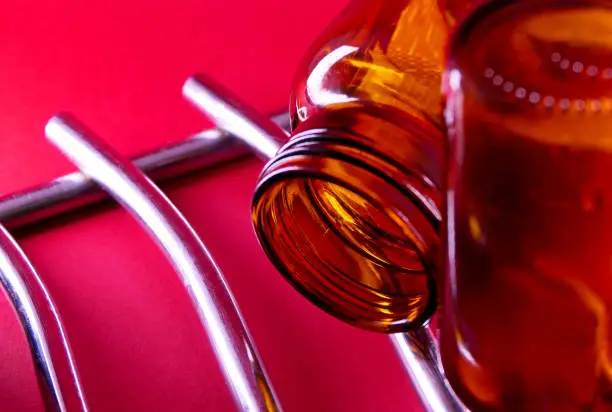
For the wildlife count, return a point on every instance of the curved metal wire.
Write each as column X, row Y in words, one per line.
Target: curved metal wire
column 201, row 277
column 43, row 328
column 417, row 350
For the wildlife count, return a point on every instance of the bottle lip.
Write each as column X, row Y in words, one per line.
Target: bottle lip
column 342, row 147
column 313, row 156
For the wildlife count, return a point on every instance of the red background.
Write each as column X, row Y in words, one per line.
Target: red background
column 136, row 339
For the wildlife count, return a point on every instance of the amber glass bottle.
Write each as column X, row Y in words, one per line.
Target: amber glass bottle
column 526, row 325
column 349, row 209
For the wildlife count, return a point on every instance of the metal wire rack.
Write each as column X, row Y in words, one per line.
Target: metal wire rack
column 103, row 172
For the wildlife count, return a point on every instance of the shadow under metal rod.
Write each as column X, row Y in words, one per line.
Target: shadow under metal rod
column 200, row 275
column 418, row 349
column 43, row 329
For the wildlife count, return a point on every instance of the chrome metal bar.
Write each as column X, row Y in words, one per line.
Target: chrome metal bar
column 230, row 113
column 75, row 190
column 200, row 275
column 43, row 328
column 235, row 117
column 417, row 350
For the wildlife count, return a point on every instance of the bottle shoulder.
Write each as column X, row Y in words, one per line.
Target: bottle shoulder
column 389, row 55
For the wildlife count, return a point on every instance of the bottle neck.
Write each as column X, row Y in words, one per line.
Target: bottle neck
column 348, row 214
column 406, row 149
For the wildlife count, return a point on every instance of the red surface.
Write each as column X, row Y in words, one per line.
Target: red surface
column 137, row 341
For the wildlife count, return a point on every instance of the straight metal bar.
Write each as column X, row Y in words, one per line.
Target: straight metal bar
column 73, row 191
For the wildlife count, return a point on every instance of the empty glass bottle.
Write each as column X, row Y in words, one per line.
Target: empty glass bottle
column 349, row 209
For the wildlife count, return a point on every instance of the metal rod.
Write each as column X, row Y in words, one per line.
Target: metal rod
column 235, row 117
column 417, row 350
column 75, row 190
column 43, row 328
column 200, row 275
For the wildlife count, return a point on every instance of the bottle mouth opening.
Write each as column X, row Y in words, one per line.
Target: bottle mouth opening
column 348, row 240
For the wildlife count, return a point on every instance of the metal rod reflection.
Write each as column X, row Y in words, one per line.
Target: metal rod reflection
column 200, row 275
column 417, row 350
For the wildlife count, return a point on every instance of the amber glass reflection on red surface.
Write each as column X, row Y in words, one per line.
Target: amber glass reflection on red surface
column 526, row 321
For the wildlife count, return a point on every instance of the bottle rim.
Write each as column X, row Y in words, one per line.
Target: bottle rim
column 301, row 160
